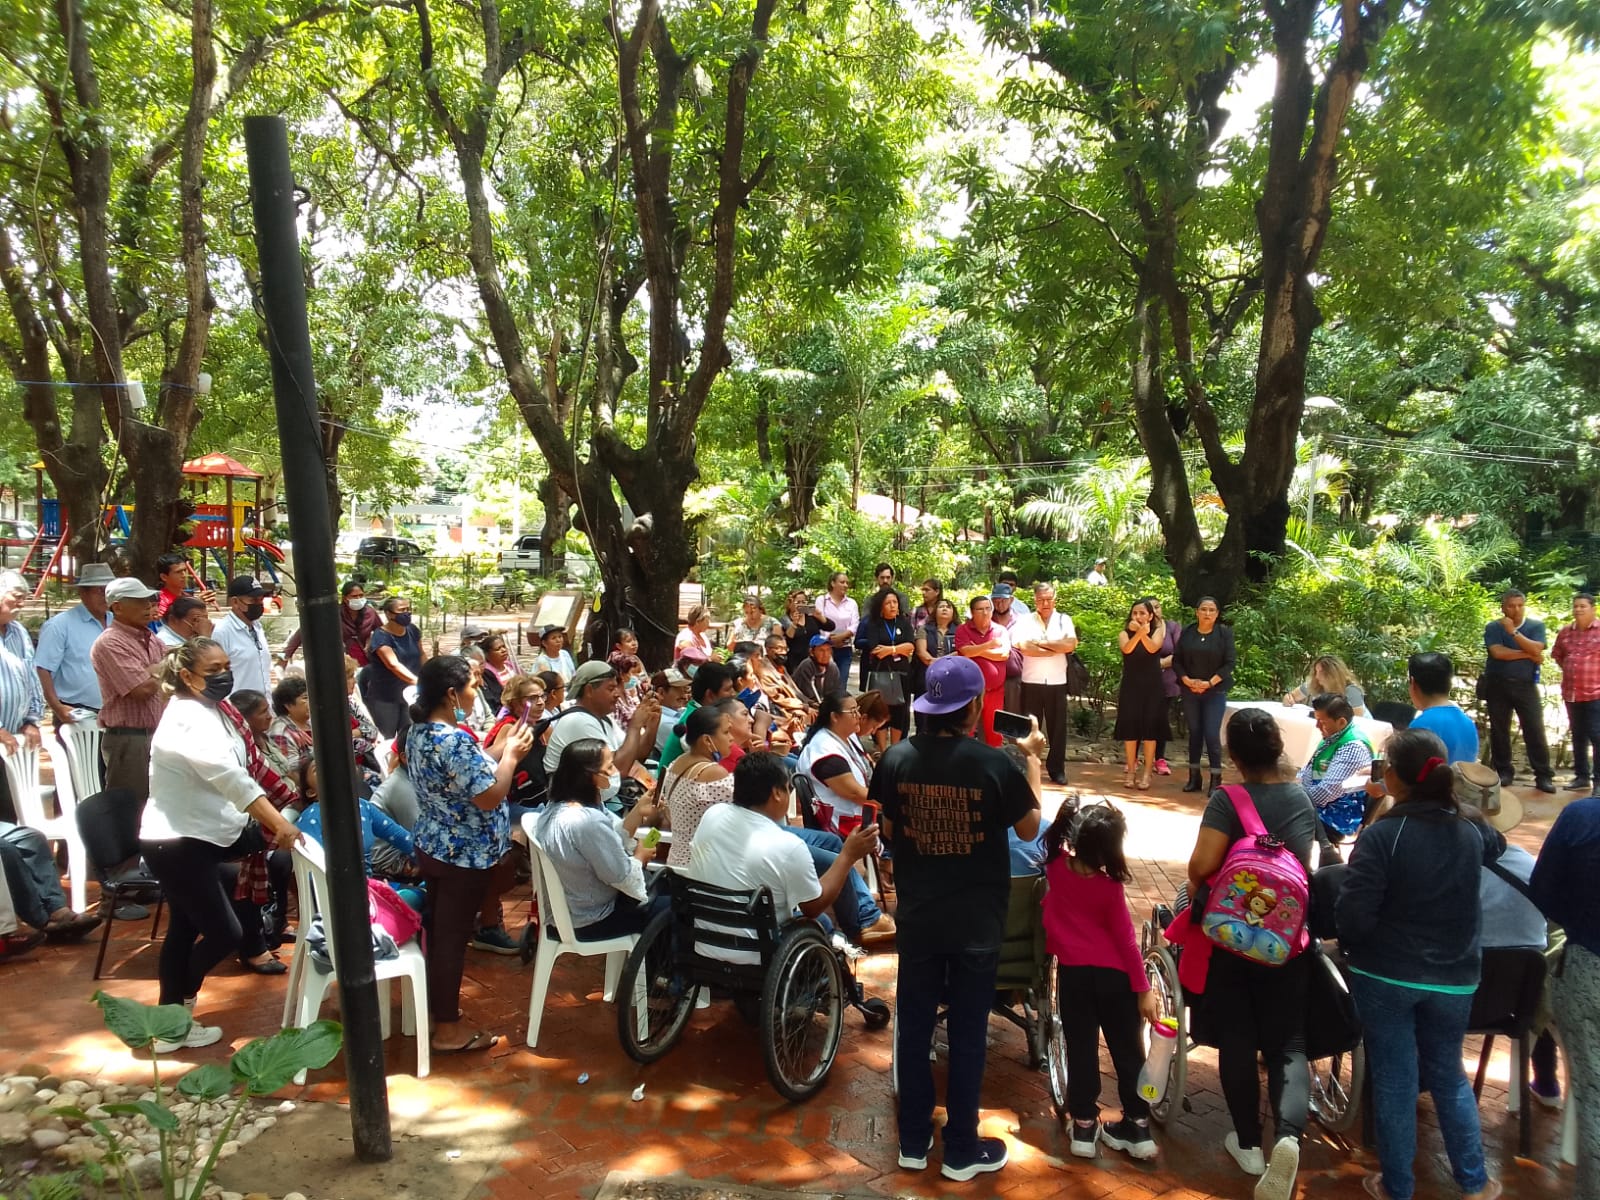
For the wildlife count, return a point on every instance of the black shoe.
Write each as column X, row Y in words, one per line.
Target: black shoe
column 272, row 966
column 991, row 1156
column 1216, row 780
column 1192, row 784
column 1579, row 784
column 1132, row 1138
column 131, row 912
column 1059, row 778
column 1507, row 778
column 1547, row 786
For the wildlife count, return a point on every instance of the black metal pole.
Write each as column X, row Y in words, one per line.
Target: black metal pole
column 283, row 300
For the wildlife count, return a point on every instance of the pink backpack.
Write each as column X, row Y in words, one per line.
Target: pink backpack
column 1258, row 902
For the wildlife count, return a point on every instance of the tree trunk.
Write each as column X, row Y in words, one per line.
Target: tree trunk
column 557, row 507
column 803, row 470
column 333, row 432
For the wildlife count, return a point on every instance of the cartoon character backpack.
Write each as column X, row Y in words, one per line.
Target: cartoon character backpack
column 1259, row 899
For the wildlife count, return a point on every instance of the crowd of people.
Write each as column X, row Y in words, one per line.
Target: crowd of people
column 931, row 760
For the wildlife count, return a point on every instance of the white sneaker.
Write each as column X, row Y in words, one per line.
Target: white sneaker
column 1085, row 1141
column 1278, row 1182
column 199, row 1035
column 1251, row 1162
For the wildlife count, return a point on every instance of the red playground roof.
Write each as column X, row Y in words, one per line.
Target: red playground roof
column 221, row 465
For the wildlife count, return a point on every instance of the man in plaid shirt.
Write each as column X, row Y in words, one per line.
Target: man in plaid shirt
column 1577, row 652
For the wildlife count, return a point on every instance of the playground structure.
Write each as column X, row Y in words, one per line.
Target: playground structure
column 225, row 532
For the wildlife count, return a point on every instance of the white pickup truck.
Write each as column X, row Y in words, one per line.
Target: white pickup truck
column 522, row 555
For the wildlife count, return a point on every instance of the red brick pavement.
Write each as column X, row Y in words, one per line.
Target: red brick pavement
column 709, row 1112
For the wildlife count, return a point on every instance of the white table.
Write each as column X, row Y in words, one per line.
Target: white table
column 1300, row 733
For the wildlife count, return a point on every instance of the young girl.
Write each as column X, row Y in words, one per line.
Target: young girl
column 1102, row 979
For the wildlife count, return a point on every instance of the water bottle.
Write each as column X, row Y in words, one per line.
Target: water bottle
column 1163, row 1045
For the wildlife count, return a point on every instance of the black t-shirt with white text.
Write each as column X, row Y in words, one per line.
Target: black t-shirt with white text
column 950, row 801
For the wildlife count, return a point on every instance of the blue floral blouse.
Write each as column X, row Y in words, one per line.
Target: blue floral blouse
column 448, row 770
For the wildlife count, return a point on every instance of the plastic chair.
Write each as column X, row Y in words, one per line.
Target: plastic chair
column 308, row 985
column 80, row 742
column 108, row 823
column 22, row 773
column 556, row 935
column 1509, row 988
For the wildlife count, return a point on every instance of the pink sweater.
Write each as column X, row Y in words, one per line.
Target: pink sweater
column 1086, row 922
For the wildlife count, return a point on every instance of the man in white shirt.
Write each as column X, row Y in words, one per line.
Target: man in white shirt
column 185, row 618
column 71, row 688
column 1097, row 576
column 1045, row 637
column 595, row 689
column 743, row 846
column 240, row 634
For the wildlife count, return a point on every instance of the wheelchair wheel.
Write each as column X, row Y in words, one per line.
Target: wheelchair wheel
column 1161, row 967
column 802, row 1012
column 1055, row 1054
column 1336, row 1085
column 653, row 1003
column 875, row 1012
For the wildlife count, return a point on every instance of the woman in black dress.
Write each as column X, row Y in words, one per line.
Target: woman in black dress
column 1141, row 700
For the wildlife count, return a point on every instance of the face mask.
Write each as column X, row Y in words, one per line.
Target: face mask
column 613, row 781
column 357, row 604
column 402, row 619
column 461, row 715
column 633, row 683
column 218, row 687
column 253, row 613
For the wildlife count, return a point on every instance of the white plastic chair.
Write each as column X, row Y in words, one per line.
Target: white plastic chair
column 80, row 741
column 308, row 985
column 22, row 773
column 556, row 935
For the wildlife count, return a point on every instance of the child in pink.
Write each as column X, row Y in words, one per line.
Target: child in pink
column 1102, row 981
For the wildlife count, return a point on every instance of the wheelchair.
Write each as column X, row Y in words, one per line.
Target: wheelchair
column 1338, row 1071
column 795, row 995
column 1026, row 989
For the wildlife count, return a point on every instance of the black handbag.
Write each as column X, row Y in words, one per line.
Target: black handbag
column 1332, row 1026
column 1077, row 676
column 890, row 685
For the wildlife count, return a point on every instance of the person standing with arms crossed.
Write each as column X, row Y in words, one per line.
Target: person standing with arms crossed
column 1045, row 637
column 947, row 801
column 1510, row 684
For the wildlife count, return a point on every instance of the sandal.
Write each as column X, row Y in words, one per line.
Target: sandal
column 478, row 1041
column 273, row 966
column 1144, row 781
column 1127, row 778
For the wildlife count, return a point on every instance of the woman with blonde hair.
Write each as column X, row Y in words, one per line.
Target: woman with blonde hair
column 692, row 642
column 1329, row 675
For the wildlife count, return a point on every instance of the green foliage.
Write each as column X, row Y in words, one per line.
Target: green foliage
column 257, row 1068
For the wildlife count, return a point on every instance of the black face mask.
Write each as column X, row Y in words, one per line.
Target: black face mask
column 253, row 613
column 219, row 686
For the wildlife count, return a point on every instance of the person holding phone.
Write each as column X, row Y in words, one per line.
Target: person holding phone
column 1141, row 699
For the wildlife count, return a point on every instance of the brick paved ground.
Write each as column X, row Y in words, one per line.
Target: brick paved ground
column 708, row 1111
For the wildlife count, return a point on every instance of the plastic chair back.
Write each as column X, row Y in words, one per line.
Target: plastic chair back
column 22, row 774
column 805, row 796
column 81, row 742
column 311, row 889
column 552, row 896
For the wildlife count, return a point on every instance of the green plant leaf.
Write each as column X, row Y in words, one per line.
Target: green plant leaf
column 206, row 1082
column 267, row 1064
column 138, row 1025
column 160, row 1117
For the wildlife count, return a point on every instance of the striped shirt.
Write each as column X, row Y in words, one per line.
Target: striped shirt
column 21, row 697
column 123, row 657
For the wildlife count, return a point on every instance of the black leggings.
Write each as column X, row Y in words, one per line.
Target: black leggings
column 1252, row 1008
column 1095, row 999
column 203, row 929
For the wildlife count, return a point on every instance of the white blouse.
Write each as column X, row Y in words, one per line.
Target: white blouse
column 199, row 786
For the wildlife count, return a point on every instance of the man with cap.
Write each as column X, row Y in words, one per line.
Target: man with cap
column 240, row 634
column 595, row 690
column 472, row 634
column 1005, row 616
column 553, row 654
column 66, row 676
column 1097, row 576
column 125, row 657
column 817, row 677
column 21, row 701
column 947, row 801
column 672, row 689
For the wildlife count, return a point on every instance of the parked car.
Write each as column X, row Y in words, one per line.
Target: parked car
column 523, row 555
column 387, row 553
column 16, row 538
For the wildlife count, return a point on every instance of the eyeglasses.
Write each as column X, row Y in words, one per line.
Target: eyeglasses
column 849, row 712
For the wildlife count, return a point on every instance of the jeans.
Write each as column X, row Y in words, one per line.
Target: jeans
column 203, row 929
column 1253, row 1008
column 1521, row 696
column 30, row 873
column 1203, row 712
column 1585, row 718
column 964, row 980
column 626, row 916
column 856, row 911
column 1095, row 999
column 1412, row 1034
column 842, row 657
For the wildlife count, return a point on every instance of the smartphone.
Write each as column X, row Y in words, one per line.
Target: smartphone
column 869, row 813
column 1377, row 769
column 1012, row 725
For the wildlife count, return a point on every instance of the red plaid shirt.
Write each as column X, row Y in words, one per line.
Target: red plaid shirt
column 1577, row 652
column 254, row 884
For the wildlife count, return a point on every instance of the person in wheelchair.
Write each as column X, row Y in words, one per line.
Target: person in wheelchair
column 1343, row 754
column 744, row 845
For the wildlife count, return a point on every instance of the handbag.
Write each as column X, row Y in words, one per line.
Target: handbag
column 888, row 684
column 1077, row 676
column 1332, row 1023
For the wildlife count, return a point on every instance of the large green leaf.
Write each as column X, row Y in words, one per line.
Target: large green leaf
column 140, row 1024
column 267, row 1064
column 206, row 1082
column 159, row 1116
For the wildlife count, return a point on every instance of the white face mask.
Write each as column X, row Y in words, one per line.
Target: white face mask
column 356, row 603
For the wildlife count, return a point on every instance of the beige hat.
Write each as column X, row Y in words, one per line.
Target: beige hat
column 1479, row 785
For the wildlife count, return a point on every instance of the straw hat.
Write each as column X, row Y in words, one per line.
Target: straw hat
column 1479, row 785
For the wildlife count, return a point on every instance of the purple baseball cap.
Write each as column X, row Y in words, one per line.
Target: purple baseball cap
column 953, row 683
